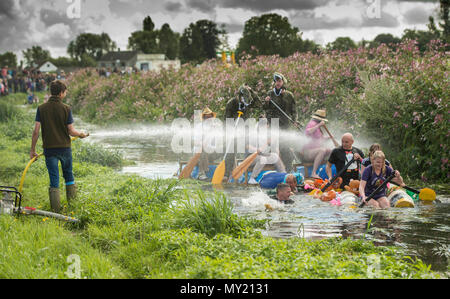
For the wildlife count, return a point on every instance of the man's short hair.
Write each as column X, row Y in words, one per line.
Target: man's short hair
column 57, row 87
column 281, row 186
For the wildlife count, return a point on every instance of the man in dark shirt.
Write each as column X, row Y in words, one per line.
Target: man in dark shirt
column 341, row 156
column 56, row 121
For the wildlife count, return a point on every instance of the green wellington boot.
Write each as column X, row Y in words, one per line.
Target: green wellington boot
column 71, row 192
column 55, row 200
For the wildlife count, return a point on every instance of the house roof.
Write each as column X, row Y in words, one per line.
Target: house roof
column 47, row 62
column 122, row 56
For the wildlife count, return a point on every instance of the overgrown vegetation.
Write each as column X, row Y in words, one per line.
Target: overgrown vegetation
column 398, row 97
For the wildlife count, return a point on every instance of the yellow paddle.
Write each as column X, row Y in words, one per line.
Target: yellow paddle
column 220, row 170
column 238, row 171
column 187, row 170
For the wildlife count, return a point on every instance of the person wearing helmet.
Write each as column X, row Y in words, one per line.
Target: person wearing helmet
column 244, row 101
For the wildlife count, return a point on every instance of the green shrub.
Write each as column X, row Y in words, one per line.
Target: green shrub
column 9, row 111
column 92, row 153
column 209, row 215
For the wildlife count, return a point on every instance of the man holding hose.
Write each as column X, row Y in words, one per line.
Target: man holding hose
column 56, row 120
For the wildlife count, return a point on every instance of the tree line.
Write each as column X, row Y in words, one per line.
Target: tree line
column 268, row 34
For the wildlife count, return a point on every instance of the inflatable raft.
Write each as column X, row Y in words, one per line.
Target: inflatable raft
column 398, row 198
column 271, row 178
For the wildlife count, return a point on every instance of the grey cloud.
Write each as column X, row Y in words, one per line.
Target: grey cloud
column 208, row 6
column 173, row 6
column 203, row 5
column 306, row 20
column 268, row 5
column 416, row 16
column 234, row 27
column 6, row 9
column 385, row 20
column 125, row 9
column 50, row 17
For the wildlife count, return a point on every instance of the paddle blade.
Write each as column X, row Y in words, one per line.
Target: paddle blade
column 219, row 174
column 238, row 171
column 187, row 170
column 427, row 194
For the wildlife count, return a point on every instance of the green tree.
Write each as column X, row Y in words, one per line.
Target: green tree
column 93, row 45
column 8, row 59
column 444, row 25
column 36, row 55
column 144, row 41
column 210, row 34
column 342, row 44
column 200, row 41
column 169, row 42
column 191, row 45
column 422, row 37
column 269, row 34
column 384, row 38
column 151, row 41
column 148, row 24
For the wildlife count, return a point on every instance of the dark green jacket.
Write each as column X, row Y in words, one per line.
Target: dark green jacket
column 286, row 102
column 54, row 117
column 234, row 105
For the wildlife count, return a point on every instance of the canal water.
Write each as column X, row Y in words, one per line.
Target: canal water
column 422, row 231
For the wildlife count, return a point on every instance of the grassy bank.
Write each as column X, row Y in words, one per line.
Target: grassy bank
column 132, row 227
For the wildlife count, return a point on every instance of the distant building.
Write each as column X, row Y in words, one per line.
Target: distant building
column 123, row 60
column 47, row 67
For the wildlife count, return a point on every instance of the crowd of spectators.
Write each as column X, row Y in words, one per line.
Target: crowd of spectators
column 25, row 81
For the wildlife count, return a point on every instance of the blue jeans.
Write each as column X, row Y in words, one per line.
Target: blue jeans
column 65, row 157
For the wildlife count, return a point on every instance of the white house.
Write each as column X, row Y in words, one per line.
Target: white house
column 47, row 67
column 134, row 59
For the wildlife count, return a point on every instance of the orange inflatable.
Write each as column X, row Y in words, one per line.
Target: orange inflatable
column 336, row 184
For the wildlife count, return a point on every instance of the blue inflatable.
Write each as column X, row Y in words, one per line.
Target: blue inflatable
column 271, row 179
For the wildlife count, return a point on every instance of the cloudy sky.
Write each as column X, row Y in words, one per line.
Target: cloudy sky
column 52, row 24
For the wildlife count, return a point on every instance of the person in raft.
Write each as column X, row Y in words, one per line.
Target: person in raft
column 315, row 150
column 208, row 144
column 367, row 161
column 283, row 194
column 56, row 120
column 265, row 156
column 373, row 176
column 341, row 156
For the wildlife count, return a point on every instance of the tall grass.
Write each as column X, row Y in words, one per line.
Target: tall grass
column 92, row 153
column 208, row 215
